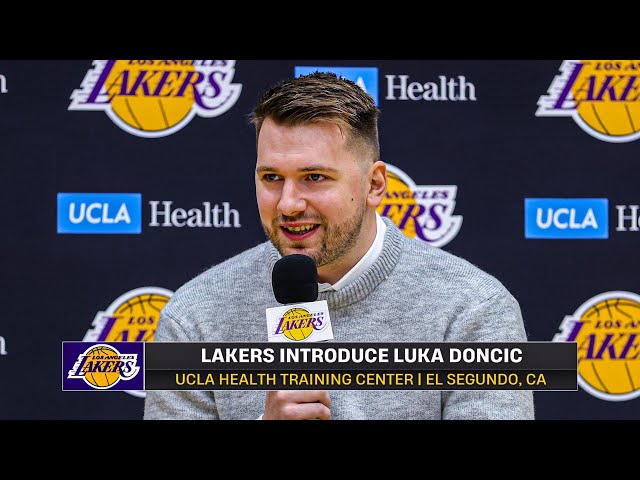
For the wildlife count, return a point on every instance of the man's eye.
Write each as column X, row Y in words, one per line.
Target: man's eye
column 270, row 177
column 316, row 177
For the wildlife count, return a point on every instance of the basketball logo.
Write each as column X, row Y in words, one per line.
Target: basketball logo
column 101, row 379
column 600, row 95
column 156, row 98
column 424, row 212
column 297, row 324
column 600, row 104
column 140, row 314
column 305, row 322
column 150, row 109
column 101, row 366
column 132, row 317
column 606, row 329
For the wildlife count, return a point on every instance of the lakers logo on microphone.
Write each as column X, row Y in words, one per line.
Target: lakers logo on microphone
column 304, row 322
column 299, row 323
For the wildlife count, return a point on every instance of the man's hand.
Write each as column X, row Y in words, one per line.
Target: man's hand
column 297, row 405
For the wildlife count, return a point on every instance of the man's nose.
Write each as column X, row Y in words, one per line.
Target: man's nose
column 292, row 201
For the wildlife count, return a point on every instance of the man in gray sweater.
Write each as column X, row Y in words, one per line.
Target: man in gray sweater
column 319, row 181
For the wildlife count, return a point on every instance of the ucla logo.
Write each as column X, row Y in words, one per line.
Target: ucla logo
column 102, row 366
column 99, row 213
column 606, row 329
column 132, row 317
column 156, row 98
column 600, row 95
column 420, row 211
column 365, row 77
column 558, row 218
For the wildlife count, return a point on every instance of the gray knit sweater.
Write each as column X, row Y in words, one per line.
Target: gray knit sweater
column 413, row 292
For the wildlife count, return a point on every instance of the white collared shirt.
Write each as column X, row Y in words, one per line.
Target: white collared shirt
column 365, row 262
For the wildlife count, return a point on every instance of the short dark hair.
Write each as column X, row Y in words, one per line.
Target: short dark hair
column 322, row 97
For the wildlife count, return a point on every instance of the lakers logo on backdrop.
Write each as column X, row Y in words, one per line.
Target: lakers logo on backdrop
column 132, row 317
column 420, row 211
column 600, row 95
column 607, row 331
column 155, row 98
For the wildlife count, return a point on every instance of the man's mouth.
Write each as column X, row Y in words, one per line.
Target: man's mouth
column 299, row 232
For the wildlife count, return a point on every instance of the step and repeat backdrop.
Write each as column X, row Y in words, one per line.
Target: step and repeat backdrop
column 123, row 179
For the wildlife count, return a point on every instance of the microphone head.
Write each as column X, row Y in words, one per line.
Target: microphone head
column 295, row 279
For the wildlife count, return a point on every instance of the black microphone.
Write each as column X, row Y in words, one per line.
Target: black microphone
column 295, row 279
column 302, row 317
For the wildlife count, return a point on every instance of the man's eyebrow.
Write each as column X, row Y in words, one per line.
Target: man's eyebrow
column 304, row 169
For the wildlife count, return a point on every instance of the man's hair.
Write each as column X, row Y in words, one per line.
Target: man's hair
column 322, row 97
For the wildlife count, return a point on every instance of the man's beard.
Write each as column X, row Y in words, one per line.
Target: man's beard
column 336, row 242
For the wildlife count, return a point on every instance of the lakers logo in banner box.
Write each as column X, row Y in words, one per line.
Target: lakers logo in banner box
column 102, row 366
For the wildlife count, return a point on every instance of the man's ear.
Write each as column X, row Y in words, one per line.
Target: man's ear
column 377, row 177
